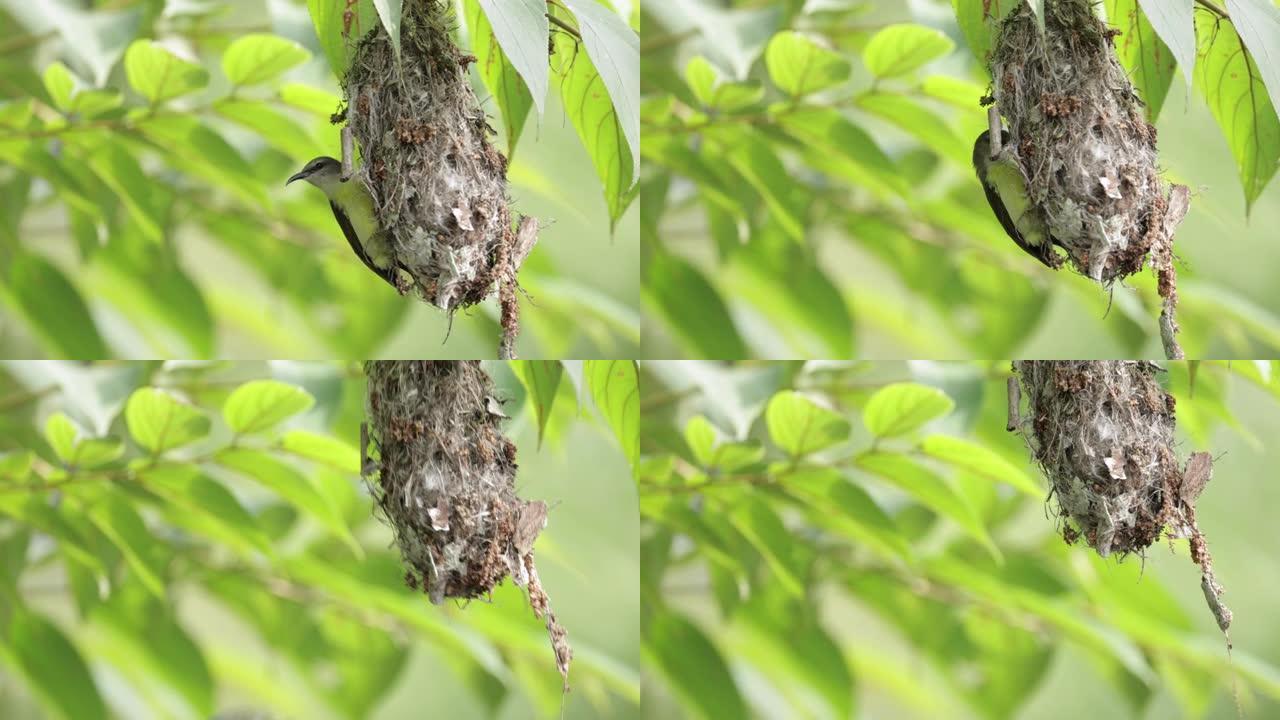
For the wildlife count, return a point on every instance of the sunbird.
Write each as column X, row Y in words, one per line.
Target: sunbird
column 1006, row 189
column 353, row 208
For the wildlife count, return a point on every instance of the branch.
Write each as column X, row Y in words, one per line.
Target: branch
column 564, row 26
column 1213, row 8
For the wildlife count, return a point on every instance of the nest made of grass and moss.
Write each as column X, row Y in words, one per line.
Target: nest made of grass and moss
column 1080, row 134
column 1103, row 434
column 438, row 183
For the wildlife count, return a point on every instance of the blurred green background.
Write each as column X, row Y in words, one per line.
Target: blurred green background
column 918, row 271
column 247, row 268
column 312, row 631
column 901, row 612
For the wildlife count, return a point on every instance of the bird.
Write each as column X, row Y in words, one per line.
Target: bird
column 1006, row 188
column 353, row 209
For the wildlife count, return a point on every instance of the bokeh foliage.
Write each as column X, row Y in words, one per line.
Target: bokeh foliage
column 865, row 539
column 143, row 151
column 184, row 539
column 809, row 190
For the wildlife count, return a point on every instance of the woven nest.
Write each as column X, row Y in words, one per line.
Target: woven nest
column 445, row 483
column 438, row 184
column 1081, row 137
column 1102, row 432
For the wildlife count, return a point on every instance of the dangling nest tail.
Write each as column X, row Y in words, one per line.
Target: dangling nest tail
column 445, row 483
column 438, row 183
column 1102, row 432
column 1086, row 148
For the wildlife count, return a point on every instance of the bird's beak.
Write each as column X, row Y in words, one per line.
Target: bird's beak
column 297, row 176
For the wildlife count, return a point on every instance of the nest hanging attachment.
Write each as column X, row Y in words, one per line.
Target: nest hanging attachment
column 1079, row 133
column 443, row 477
column 1102, row 433
column 438, row 184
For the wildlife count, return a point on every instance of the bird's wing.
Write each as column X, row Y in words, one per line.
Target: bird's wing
column 1041, row 253
column 344, row 222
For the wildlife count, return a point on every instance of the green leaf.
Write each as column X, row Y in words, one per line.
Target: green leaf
column 321, row 103
column 60, row 85
column 278, row 130
column 899, row 49
column 158, row 74
column 159, row 422
column 979, row 460
column 978, row 20
column 843, row 149
column 846, row 508
column 541, row 378
column 900, row 408
column 326, row 16
column 673, row 286
column 755, row 160
column 52, row 666
column 294, row 487
column 929, row 490
column 389, row 14
column 144, row 282
column 199, row 150
column 921, row 123
column 117, row 519
column 146, row 644
column 15, row 466
column 90, row 104
column 701, row 437
column 799, row 66
column 1144, row 55
column 804, row 664
column 262, row 404
column 258, row 57
column 204, row 506
column 95, row 452
column 499, row 75
column 1258, row 22
column 615, row 385
column 120, row 171
column 954, row 91
column 52, row 307
column 763, row 529
column 692, row 667
column 61, row 435
column 792, row 291
column 323, row 449
column 586, row 101
column 614, row 50
column 1228, row 78
column 522, row 28
column 1174, row 22
column 702, row 78
column 800, row 427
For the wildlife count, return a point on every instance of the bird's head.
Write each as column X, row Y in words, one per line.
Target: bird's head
column 982, row 148
column 323, row 172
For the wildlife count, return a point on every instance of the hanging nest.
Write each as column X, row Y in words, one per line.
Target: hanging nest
column 1102, row 432
column 1080, row 134
column 438, row 184
column 445, row 483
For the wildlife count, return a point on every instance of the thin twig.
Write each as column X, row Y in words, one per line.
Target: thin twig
column 1213, row 8
column 564, row 26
